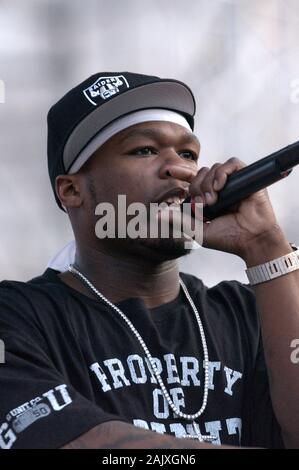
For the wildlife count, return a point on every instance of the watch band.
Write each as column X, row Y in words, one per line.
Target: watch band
column 274, row 268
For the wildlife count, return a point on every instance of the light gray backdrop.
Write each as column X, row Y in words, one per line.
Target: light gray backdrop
column 240, row 57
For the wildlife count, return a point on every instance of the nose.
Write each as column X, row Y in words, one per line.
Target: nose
column 173, row 166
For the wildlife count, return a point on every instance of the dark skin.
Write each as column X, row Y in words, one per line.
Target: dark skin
column 149, row 270
column 129, row 269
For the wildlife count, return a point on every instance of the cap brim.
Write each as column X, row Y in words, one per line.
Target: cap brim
column 172, row 95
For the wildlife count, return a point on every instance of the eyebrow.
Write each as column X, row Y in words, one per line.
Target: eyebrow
column 156, row 133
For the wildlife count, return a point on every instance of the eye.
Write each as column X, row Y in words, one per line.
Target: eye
column 144, row 151
column 189, row 155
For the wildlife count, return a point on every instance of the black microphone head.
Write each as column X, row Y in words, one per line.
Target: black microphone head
column 288, row 157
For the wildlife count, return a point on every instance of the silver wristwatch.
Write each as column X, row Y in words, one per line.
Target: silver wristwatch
column 274, row 268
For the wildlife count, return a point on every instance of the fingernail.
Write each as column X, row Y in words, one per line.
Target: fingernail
column 208, row 197
column 216, row 184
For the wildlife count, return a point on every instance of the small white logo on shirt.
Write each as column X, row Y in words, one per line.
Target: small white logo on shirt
column 21, row 417
column 104, row 88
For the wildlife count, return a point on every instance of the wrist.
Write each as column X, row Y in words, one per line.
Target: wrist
column 266, row 247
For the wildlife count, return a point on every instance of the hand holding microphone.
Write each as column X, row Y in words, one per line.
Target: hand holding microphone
column 252, row 221
column 253, row 178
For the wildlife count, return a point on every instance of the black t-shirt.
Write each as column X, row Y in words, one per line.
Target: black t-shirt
column 72, row 363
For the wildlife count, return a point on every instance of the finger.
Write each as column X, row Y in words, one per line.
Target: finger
column 195, row 186
column 202, row 185
column 210, row 195
column 214, row 180
column 223, row 171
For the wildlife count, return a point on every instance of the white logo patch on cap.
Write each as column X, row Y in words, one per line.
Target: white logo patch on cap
column 104, row 88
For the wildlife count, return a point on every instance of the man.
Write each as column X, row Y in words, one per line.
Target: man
column 121, row 344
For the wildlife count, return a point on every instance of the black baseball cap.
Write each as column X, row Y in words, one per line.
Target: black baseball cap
column 98, row 101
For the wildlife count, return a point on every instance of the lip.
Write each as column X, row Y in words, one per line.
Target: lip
column 179, row 192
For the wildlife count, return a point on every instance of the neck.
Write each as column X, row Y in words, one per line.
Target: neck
column 119, row 279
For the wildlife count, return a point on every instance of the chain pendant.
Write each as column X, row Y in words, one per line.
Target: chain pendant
column 197, row 434
column 197, row 431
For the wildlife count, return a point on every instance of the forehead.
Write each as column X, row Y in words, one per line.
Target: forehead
column 157, row 130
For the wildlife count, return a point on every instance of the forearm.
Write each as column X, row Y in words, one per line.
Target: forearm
column 119, row 435
column 278, row 304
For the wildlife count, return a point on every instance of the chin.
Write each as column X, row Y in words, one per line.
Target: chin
column 160, row 249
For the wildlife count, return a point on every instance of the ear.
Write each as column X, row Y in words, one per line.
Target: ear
column 68, row 190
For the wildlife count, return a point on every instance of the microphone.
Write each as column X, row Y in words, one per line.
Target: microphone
column 252, row 178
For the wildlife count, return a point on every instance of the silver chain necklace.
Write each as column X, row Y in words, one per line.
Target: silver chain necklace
column 188, row 417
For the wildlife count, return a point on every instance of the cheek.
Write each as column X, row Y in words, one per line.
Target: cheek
column 133, row 182
column 141, row 184
column 127, row 177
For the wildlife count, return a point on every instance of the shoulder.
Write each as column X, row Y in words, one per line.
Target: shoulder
column 224, row 290
column 229, row 312
column 231, row 298
column 24, row 293
column 23, row 303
